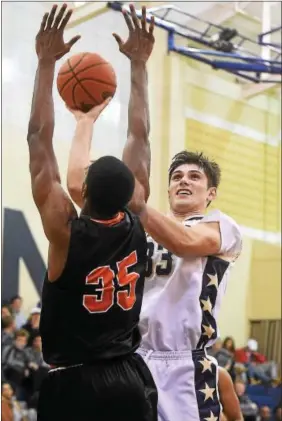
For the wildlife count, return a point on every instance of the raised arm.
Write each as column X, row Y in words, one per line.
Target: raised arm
column 54, row 205
column 79, row 157
column 138, row 48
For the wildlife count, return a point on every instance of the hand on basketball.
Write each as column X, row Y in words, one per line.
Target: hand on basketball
column 91, row 115
column 50, row 43
column 140, row 42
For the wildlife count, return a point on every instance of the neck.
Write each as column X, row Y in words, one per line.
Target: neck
column 181, row 216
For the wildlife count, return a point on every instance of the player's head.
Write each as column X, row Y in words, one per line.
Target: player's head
column 109, row 186
column 193, row 182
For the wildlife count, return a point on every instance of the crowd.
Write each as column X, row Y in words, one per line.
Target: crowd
column 23, row 367
column 247, row 367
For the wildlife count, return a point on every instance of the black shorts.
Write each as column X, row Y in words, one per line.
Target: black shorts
column 116, row 390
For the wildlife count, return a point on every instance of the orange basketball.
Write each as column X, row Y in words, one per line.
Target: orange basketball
column 86, row 80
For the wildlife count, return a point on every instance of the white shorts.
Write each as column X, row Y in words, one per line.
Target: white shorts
column 187, row 384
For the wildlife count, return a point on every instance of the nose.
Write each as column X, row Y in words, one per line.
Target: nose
column 183, row 181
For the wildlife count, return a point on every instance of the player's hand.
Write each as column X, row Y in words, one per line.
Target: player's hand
column 50, row 45
column 91, row 115
column 140, row 42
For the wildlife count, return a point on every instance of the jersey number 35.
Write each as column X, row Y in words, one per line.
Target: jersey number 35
column 104, row 278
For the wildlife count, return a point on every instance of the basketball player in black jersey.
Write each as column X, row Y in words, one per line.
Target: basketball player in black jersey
column 93, row 288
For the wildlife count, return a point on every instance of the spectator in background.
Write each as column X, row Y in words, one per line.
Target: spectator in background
column 38, row 370
column 4, row 313
column 256, row 364
column 16, row 309
column 249, row 409
column 32, row 325
column 10, row 408
column 278, row 413
column 8, row 331
column 265, row 413
column 15, row 363
column 229, row 345
column 224, row 355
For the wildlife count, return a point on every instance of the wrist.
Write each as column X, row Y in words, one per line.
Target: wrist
column 46, row 62
column 85, row 119
column 137, row 63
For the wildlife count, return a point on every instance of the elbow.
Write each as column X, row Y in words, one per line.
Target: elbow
column 75, row 192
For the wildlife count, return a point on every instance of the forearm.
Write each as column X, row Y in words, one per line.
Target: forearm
column 42, row 109
column 136, row 154
column 138, row 110
column 199, row 240
column 79, row 159
column 165, row 231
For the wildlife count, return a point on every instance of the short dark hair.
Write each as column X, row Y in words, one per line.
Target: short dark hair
column 210, row 168
column 14, row 298
column 109, row 186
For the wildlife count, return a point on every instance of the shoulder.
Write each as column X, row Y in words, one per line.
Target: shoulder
column 230, row 232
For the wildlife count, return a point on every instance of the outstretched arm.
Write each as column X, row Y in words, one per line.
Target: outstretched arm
column 138, row 48
column 54, row 206
column 79, row 157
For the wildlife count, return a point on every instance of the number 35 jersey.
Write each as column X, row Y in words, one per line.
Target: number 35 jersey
column 183, row 295
column 92, row 311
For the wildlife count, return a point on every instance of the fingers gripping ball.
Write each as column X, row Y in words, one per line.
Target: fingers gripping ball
column 86, row 80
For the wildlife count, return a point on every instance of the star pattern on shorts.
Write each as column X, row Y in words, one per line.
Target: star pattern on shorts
column 212, row 417
column 208, row 392
column 207, row 305
column 206, row 365
column 209, row 331
column 213, row 280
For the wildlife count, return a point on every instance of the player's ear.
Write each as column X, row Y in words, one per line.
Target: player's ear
column 212, row 194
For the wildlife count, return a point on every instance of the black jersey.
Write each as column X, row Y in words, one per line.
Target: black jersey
column 92, row 311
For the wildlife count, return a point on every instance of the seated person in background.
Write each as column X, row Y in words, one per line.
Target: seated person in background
column 256, row 364
column 15, row 363
column 16, row 310
column 278, row 413
column 249, row 409
column 265, row 413
column 38, row 370
column 32, row 325
column 5, row 311
column 228, row 398
column 8, row 331
column 10, row 408
column 224, row 354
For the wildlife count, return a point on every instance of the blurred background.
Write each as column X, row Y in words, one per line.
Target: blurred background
column 202, row 97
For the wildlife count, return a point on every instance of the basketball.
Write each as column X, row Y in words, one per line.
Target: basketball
column 86, row 80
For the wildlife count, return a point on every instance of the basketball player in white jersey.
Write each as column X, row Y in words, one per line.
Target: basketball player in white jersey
column 190, row 253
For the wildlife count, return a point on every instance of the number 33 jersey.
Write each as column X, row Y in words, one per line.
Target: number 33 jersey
column 183, row 295
column 92, row 311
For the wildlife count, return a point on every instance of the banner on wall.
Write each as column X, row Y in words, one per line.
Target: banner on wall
column 19, row 245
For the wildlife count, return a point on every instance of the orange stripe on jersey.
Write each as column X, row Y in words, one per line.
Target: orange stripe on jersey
column 109, row 222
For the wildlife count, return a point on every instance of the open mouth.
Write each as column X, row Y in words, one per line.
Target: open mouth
column 183, row 192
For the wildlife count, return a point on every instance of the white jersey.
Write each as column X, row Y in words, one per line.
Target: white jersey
column 183, row 295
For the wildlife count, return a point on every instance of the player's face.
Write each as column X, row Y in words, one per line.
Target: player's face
column 188, row 189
